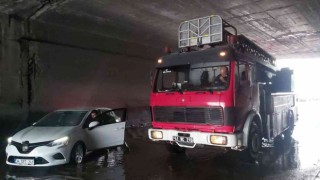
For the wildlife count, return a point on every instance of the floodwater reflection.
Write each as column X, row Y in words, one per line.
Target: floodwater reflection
column 290, row 158
column 151, row 161
column 306, row 133
column 103, row 164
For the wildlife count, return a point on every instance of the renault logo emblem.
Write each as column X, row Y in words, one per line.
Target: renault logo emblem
column 25, row 146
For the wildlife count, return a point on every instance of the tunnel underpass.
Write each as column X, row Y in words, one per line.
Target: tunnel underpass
column 57, row 54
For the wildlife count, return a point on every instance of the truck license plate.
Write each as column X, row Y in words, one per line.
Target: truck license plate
column 24, row 162
column 183, row 139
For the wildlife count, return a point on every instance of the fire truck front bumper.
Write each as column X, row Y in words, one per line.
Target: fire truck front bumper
column 192, row 138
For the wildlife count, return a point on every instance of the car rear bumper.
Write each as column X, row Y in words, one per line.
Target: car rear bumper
column 42, row 156
column 234, row 141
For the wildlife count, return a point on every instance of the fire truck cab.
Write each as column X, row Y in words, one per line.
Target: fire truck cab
column 219, row 90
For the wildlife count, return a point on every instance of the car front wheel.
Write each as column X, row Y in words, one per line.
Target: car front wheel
column 77, row 153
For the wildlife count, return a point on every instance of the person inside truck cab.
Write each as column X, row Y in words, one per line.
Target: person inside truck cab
column 223, row 78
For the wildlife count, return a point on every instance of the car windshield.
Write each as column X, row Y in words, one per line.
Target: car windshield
column 62, row 118
column 193, row 77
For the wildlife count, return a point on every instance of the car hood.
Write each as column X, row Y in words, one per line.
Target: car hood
column 35, row 134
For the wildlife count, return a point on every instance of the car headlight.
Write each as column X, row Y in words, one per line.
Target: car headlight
column 9, row 140
column 221, row 140
column 156, row 134
column 60, row 142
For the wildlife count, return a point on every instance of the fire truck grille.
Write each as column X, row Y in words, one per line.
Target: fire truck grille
column 212, row 115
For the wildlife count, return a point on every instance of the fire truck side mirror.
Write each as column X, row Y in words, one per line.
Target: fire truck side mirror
column 151, row 79
column 261, row 83
column 251, row 82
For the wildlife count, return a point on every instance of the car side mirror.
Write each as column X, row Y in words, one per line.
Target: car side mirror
column 151, row 79
column 118, row 119
column 93, row 124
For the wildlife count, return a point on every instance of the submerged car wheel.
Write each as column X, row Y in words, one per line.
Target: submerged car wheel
column 77, row 153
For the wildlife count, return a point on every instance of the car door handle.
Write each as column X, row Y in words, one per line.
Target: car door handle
column 117, row 129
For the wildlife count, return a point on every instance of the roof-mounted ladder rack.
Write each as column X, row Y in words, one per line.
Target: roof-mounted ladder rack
column 213, row 30
column 202, row 31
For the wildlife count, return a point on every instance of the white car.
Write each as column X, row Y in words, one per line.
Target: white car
column 65, row 136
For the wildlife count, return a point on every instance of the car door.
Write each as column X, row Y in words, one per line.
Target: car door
column 110, row 130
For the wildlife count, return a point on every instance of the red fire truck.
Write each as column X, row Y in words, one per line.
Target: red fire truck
column 219, row 90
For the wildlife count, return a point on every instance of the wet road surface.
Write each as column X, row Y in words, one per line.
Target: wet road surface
column 296, row 158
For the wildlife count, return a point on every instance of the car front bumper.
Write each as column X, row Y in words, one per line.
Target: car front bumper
column 42, row 156
column 234, row 141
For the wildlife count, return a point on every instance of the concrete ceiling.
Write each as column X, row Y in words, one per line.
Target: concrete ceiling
column 286, row 28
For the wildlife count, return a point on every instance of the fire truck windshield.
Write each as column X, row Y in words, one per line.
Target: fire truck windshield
column 213, row 76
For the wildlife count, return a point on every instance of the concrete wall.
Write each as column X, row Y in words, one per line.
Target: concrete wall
column 12, row 70
column 45, row 67
column 70, row 77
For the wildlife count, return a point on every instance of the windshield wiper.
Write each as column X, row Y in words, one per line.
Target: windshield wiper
column 210, row 90
column 180, row 90
column 177, row 90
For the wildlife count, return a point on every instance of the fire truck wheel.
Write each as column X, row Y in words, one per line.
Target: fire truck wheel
column 126, row 147
column 254, row 143
column 289, row 131
column 174, row 148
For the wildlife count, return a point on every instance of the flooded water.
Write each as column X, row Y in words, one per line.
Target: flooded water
column 296, row 158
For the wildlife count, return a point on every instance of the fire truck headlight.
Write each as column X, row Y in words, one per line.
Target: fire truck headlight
column 156, row 135
column 221, row 140
column 222, row 53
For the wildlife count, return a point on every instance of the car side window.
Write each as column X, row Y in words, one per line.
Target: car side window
column 87, row 121
column 107, row 118
column 113, row 116
column 91, row 119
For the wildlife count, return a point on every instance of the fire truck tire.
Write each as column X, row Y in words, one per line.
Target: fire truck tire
column 174, row 148
column 125, row 147
column 289, row 131
column 254, row 142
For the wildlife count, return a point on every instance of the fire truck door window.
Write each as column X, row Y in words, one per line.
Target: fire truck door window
column 241, row 74
column 250, row 70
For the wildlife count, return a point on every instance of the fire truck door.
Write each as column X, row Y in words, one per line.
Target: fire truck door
column 243, row 92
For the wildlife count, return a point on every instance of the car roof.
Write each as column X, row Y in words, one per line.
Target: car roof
column 84, row 109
